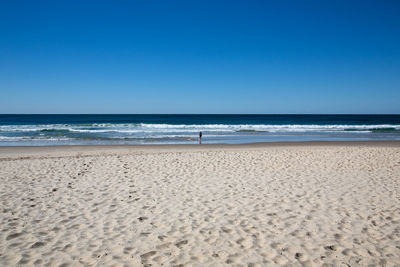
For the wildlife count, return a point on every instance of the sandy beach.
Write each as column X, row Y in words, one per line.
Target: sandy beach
column 303, row 204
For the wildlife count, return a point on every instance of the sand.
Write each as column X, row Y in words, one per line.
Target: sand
column 255, row 205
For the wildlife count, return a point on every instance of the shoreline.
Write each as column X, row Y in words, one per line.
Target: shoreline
column 30, row 152
column 173, row 147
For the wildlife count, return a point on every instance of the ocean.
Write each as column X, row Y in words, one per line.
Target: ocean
column 40, row 130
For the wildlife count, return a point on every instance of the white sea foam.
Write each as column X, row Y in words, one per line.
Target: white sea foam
column 189, row 128
column 27, row 138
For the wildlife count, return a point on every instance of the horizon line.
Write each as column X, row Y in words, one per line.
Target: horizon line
column 7, row 114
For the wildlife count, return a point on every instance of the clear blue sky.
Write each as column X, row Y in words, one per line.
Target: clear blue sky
column 199, row 56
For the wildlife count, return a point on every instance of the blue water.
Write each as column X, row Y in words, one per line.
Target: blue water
column 22, row 130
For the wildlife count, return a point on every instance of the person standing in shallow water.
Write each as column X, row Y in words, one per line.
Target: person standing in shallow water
column 200, row 136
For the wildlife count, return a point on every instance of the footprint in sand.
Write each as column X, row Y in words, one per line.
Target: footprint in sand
column 12, row 236
column 147, row 255
column 38, row 244
column 331, row 248
column 298, row 256
column 181, row 243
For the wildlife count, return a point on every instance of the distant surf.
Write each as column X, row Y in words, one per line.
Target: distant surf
column 23, row 130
